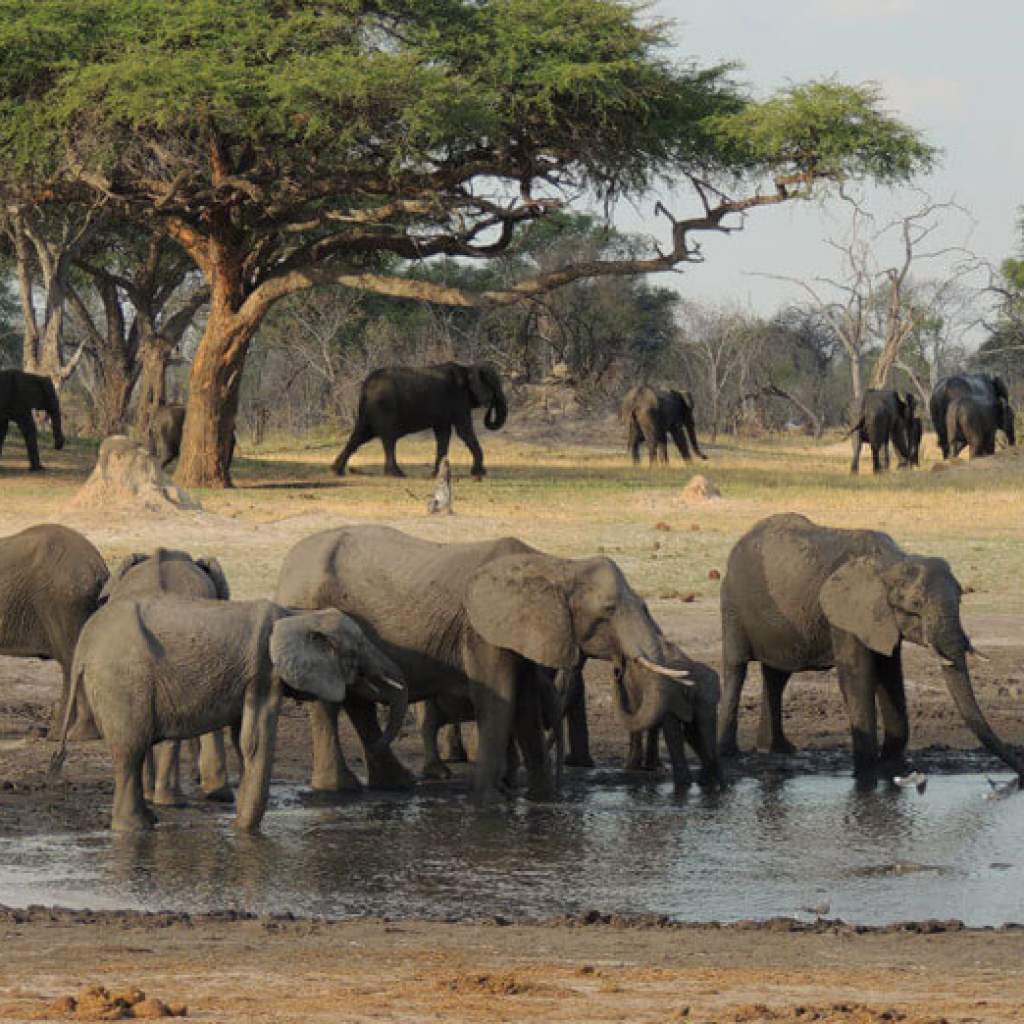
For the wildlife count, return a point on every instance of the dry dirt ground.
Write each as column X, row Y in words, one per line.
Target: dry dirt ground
column 571, row 492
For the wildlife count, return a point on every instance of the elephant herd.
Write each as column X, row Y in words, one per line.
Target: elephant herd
column 495, row 632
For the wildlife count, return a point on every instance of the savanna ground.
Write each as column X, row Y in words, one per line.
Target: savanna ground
column 570, row 491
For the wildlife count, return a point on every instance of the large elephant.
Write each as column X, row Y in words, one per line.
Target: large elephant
column 165, row 432
column 800, row 597
column 50, row 583
column 652, row 416
column 972, row 424
column 489, row 622
column 984, row 388
column 20, row 394
column 400, row 400
column 176, row 572
column 885, row 416
column 166, row 668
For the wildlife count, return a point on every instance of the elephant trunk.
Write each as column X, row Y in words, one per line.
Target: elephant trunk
column 497, row 411
column 382, row 681
column 702, row 734
column 958, row 682
column 656, row 702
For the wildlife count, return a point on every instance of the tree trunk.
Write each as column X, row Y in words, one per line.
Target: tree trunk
column 155, row 351
column 855, row 379
column 112, row 397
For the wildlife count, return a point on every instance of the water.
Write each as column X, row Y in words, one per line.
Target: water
column 762, row 848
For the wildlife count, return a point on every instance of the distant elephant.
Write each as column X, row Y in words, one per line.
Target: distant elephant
column 983, row 387
column 176, row 572
column 168, row 668
column 972, row 424
column 400, row 400
column 20, row 393
column 165, row 432
column 652, row 416
column 800, row 597
column 50, row 583
column 886, row 416
column 488, row 622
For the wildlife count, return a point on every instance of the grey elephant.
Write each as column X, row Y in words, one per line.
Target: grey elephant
column 477, row 622
column 884, row 416
column 51, row 578
column 400, row 400
column 972, row 424
column 169, row 668
column 20, row 394
column 800, row 597
column 652, row 416
column 984, row 388
column 165, row 432
column 165, row 571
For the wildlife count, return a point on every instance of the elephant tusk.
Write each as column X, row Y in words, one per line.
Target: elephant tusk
column 978, row 654
column 947, row 663
column 391, row 682
column 680, row 675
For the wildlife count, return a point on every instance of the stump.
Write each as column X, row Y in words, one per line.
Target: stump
column 700, row 488
column 441, row 502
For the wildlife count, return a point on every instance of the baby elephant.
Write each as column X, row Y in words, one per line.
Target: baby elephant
column 168, row 668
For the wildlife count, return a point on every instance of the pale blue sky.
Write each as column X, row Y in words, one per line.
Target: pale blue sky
column 951, row 68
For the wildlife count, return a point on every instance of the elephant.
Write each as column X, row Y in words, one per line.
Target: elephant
column 972, row 424
column 400, row 400
column 51, row 578
column 651, row 416
column 20, row 393
column 886, row 416
column 983, row 387
column 488, row 622
column 165, row 435
column 176, row 572
column 166, row 667
column 801, row 597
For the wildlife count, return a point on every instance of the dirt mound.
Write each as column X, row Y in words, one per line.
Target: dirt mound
column 127, row 478
column 97, row 1003
column 700, row 488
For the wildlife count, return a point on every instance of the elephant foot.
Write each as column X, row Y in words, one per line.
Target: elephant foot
column 782, row 746
column 491, row 796
column 456, row 754
column 37, row 469
column 578, row 761
column 478, row 474
column 728, row 748
column 390, row 775
column 338, row 470
column 436, row 770
column 394, row 471
column 169, row 798
column 343, row 781
column 220, row 795
column 138, row 822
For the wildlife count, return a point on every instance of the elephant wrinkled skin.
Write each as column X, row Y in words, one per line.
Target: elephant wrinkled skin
column 800, row 597
column 20, row 394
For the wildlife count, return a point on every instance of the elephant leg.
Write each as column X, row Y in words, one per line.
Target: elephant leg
column 193, row 755
column 770, row 734
column 735, row 656
column 675, row 742
column 652, row 762
column 258, row 733
column 213, row 768
column 167, row 774
column 855, row 443
column 892, row 702
column 467, row 435
column 27, row 426
column 453, row 749
column 492, row 689
column 431, row 720
column 384, row 770
column 391, row 467
column 529, row 735
column 510, row 779
column 885, row 456
column 361, row 433
column 576, row 717
column 663, row 451
column 130, row 813
column 3, row 432
column 635, row 752
column 857, row 678
column 680, row 439
column 330, row 772
column 443, row 437
column 876, row 463
column 635, row 440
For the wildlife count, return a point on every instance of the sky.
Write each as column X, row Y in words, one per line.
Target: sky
column 954, row 70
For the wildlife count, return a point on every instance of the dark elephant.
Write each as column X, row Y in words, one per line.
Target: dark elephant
column 20, row 394
column 50, row 584
column 886, row 416
column 400, row 400
column 984, row 388
column 165, row 435
column 972, row 424
column 489, row 623
column 652, row 416
column 800, row 597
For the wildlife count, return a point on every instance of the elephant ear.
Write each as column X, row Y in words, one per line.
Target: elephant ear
column 910, row 402
column 304, row 652
column 513, row 603
column 855, row 599
column 115, row 578
column 213, row 569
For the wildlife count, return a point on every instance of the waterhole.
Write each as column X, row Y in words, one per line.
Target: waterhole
column 800, row 846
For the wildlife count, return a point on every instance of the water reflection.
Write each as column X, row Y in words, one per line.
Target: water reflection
column 760, row 848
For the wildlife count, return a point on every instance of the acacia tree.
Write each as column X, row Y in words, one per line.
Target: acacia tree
column 287, row 144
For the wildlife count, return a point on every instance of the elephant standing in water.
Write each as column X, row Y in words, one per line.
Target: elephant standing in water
column 50, row 583
column 652, row 417
column 489, row 623
column 800, row 597
column 400, row 400
column 169, row 668
column 176, row 572
column 20, row 394
column 886, row 416
column 983, row 388
column 972, row 424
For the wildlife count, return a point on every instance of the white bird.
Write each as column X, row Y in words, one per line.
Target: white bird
column 1001, row 790
column 915, row 779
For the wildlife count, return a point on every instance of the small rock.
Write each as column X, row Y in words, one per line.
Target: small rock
column 714, row 574
column 664, row 527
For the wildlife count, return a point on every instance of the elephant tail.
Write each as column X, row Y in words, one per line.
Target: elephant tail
column 57, row 761
column 859, row 425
